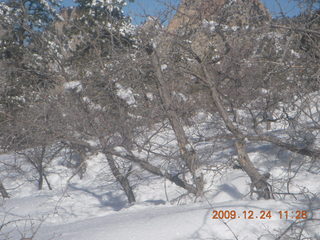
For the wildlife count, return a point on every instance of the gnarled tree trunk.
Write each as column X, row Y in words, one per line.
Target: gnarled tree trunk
column 258, row 180
column 159, row 172
column 186, row 149
column 121, row 178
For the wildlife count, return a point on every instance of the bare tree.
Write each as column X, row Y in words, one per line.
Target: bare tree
column 40, row 157
column 186, row 149
column 3, row 191
column 194, row 62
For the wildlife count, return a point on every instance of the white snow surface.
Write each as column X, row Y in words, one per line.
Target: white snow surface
column 164, row 67
column 125, row 94
column 168, row 222
column 95, row 208
column 73, row 85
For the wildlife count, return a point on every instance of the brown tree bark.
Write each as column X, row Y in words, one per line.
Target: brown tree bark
column 122, row 179
column 296, row 149
column 157, row 171
column 186, row 149
column 257, row 179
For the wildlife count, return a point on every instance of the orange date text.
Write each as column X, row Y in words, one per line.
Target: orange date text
column 263, row 214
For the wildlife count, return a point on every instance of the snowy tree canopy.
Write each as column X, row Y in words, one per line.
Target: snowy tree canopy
column 31, row 14
column 104, row 12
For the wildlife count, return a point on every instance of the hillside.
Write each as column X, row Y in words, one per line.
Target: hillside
column 205, row 128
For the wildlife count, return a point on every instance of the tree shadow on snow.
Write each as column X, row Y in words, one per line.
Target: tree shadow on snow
column 155, row 202
column 231, row 190
column 107, row 199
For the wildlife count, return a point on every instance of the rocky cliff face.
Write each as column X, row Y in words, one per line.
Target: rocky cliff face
column 202, row 22
column 192, row 13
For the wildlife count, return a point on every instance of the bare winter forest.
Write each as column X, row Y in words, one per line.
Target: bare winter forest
column 201, row 123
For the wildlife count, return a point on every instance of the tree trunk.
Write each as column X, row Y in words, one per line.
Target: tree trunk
column 39, row 166
column 186, row 149
column 278, row 142
column 123, row 180
column 3, row 191
column 40, row 180
column 268, row 125
column 157, row 171
column 47, row 181
column 257, row 179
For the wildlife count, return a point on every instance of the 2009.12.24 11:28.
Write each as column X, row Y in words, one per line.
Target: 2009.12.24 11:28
column 263, row 214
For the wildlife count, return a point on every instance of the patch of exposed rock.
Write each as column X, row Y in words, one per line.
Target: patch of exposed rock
column 202, row 20
column 192, row 13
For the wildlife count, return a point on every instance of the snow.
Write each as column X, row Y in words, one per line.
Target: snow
column 125, row 94
column 154, row 43
column 73, row 85
column 180, row 96
column 164, row 67
column 109, row 4
column 150, row 96
column 295, row 54
column 264, row 91
column 92, row 105
column 178, row 222
column 121, row 150
column 212, row 25
column 96, row 208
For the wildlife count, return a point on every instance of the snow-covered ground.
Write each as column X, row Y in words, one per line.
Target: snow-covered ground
column 173, row 222
column 94, row 208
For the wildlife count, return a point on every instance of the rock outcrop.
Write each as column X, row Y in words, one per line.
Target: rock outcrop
column 192, row 13
column 203, row 21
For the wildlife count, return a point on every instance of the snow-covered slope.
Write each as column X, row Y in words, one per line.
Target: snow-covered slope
column 93, row 208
